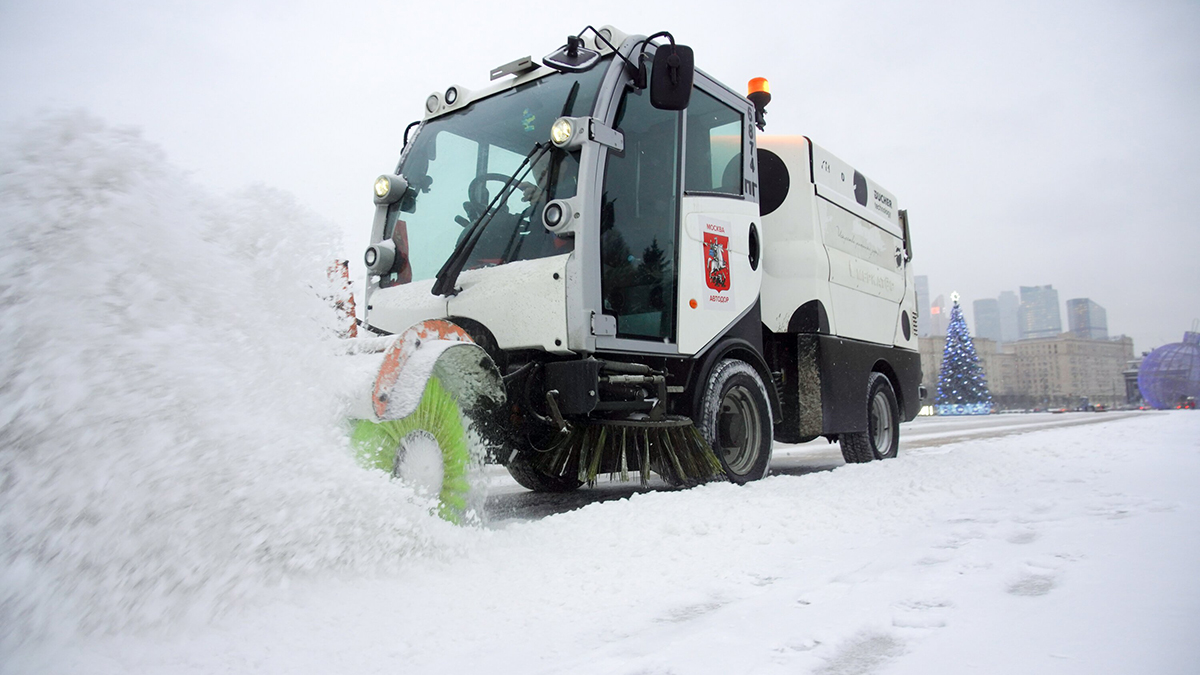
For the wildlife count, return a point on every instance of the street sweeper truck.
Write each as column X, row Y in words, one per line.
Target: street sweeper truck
column 598, row 265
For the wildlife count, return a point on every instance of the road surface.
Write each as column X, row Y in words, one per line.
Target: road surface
column 507, row 501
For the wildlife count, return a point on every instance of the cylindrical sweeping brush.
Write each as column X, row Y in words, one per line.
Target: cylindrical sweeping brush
column 437, row 415
column 672, row 447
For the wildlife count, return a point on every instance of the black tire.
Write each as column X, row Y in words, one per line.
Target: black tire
column 530, row 477
column 881, row 440
column 735, row 418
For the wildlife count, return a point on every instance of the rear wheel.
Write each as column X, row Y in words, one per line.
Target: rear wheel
column 881, row 440
column 735, row 419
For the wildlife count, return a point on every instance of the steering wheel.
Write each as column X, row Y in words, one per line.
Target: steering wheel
column 478, row 197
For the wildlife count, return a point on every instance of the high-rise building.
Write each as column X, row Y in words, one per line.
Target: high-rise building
column 1038, row 315
column 1087, row 319
column 939, row 317
column 1008, row 316
column 922, row 283
column 987, row 319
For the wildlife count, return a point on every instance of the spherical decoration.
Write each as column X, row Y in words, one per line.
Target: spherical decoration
column 1171, row 373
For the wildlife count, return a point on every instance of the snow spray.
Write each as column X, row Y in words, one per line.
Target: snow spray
column 171, row 440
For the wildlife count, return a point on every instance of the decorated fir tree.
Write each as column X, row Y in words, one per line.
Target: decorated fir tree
column 962, row 385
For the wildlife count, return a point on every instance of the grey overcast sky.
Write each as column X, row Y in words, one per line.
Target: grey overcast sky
column 1033, row 143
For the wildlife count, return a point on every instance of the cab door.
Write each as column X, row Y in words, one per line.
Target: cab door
column 719, row 274
column 638, row 228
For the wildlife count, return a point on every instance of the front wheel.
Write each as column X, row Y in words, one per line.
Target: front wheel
column 881, row 440
column 532, row 474
column 735, row 419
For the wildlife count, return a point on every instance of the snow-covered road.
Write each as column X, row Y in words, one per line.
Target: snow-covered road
column 1060, row 550
column 508, row 501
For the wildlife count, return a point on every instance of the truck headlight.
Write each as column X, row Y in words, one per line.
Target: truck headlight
column 557, row 215
column 382, row 186
column 562, row 131
column 389, row 188
column 380, row 257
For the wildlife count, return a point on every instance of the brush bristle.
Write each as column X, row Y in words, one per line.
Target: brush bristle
column 438, row 413
column 675, row 451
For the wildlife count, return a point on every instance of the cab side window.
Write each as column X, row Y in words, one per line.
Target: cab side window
column 637, row 221
column 714, row 146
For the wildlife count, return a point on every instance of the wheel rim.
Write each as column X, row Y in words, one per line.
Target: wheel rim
column 881, row 424
column 739, row 430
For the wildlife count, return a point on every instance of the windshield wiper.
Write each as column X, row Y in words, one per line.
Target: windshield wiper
column 447, row 277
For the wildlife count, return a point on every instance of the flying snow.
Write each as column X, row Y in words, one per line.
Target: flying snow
column 170, row 434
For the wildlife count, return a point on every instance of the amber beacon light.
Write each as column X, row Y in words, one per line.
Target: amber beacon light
column 759, row 93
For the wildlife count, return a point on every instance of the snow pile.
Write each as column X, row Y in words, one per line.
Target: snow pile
column 167, row 441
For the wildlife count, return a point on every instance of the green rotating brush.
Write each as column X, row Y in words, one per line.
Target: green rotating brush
column 377, row 444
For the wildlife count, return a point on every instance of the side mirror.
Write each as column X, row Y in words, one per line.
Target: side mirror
column 905, row 233
column 671, row 77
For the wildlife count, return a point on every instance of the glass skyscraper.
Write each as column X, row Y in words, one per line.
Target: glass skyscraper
column 1087, row 319
column 1038, row 315
column 987, row 319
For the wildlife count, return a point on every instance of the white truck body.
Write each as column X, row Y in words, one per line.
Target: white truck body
column 693, row 250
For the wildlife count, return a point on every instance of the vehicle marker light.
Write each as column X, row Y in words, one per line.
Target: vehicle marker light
column 759, row 84
column 760, row 95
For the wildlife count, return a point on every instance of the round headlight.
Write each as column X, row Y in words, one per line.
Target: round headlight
column 556, row 216
column 553, row 214
column 431, row 103
column 451, row 95
column 380, row 257
column 382, row 186
column 561, row 131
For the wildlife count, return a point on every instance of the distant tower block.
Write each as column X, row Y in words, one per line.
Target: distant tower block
column 1087, row 319
column 987, row 319
column 1038, row 315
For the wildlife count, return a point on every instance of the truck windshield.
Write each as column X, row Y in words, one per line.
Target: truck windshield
column 459, row 162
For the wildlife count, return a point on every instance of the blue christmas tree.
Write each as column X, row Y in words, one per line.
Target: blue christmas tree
column 962, row 385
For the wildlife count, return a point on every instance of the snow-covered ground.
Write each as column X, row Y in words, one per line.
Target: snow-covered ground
column 1063, row 550
column 175, row 496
